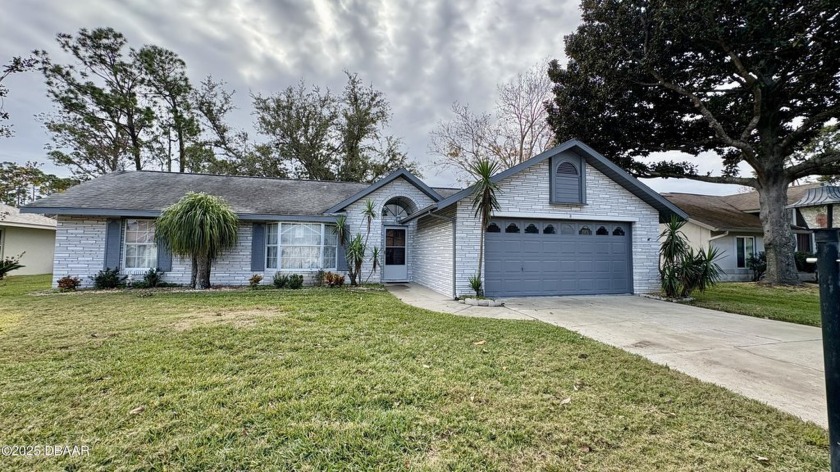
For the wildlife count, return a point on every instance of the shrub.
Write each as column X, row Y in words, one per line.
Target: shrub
column 802, row 265
column 295, row 281
column 281, row 280
column 255, row 280
column 108, row 278
column 331, row 279
column 475, row 283
column 152, row 278
column 682, row 269
column 320, row 278
column 68, row 283
column 9, row 264
column 758, row 265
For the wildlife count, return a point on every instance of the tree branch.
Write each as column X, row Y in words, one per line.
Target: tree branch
column 749, row 81
column 744, row 147
column 815, row 120
column 715, row 179
column 827, row 163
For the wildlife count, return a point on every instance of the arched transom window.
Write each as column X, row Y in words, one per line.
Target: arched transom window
column 398, row 208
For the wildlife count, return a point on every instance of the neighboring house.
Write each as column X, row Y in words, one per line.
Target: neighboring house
column 571, row 222
column 30, row 235
column 731, row 224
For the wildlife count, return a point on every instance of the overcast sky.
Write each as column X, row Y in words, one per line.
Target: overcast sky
column 422, row 56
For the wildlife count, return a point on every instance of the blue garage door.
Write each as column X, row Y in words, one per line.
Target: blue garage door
column 540, row 257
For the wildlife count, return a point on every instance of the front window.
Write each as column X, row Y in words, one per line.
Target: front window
column 301, row 246
column 744, row 248
column 140, row 248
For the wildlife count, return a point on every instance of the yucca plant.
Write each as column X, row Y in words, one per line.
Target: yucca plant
column 355, row 254
column 199, row 226
column 684, row 270
column 475, row 284
column 374, row 260
column 484, row 199
column 340, row 229
column 9, row 264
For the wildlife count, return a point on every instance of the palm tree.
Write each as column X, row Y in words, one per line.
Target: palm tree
column 199, row 226
column 484, row 198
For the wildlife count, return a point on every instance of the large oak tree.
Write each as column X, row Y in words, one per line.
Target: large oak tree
column 750, row 80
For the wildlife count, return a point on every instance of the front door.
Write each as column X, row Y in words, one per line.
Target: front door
column 395, row 268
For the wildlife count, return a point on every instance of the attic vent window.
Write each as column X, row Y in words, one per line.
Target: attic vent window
column 567, row 180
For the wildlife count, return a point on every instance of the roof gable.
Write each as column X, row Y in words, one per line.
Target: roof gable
column 665, row 208
column 401, row 173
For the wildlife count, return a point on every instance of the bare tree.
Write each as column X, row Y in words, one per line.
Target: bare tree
column 516, row 131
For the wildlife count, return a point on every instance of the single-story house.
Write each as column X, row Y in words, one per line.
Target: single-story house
column 30, row 235
column 570, row 222
column 731, row 224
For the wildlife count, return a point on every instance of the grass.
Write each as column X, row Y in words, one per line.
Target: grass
column 335, row 379
column 794, row 304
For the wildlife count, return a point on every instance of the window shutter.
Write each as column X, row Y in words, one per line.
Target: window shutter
column 164, row 257
column 342, row 259
column 113, row 241
column 258, row 247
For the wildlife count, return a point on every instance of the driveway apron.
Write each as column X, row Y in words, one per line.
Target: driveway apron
column 777, row 363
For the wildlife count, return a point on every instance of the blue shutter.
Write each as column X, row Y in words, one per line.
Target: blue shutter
column 258, row 247
column 342, row 259
column 113, row 241
column 164, row 257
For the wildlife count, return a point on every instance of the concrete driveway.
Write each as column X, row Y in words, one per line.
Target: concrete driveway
column 774, row 362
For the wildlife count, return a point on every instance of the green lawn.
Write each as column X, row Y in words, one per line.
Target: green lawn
column 336, row 379
column 795, row 304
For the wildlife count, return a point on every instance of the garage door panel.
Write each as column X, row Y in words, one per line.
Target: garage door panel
column 576, row 259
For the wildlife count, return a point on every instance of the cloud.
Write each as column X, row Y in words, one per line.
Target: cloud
column 421, row 55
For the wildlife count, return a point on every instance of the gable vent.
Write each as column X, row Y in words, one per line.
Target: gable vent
column 567, row 168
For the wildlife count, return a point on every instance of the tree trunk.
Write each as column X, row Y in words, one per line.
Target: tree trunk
column 203, row 272
column 778, row 238
column 194, row 271
column 481, row 252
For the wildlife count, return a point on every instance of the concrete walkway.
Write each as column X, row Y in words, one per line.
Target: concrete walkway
column 774, row 362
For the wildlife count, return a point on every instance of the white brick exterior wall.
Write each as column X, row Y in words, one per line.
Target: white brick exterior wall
column 356, row 223
column 80, row 252
column 233, row 268
column 527, row 192
column 433, row 252
column 79, row 248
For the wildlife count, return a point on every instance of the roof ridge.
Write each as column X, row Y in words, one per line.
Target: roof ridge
column 255, row 177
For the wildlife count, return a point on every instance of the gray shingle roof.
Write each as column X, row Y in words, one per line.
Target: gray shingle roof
column 145, row 193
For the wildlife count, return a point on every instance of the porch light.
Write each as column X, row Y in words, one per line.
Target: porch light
column 820, row 209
